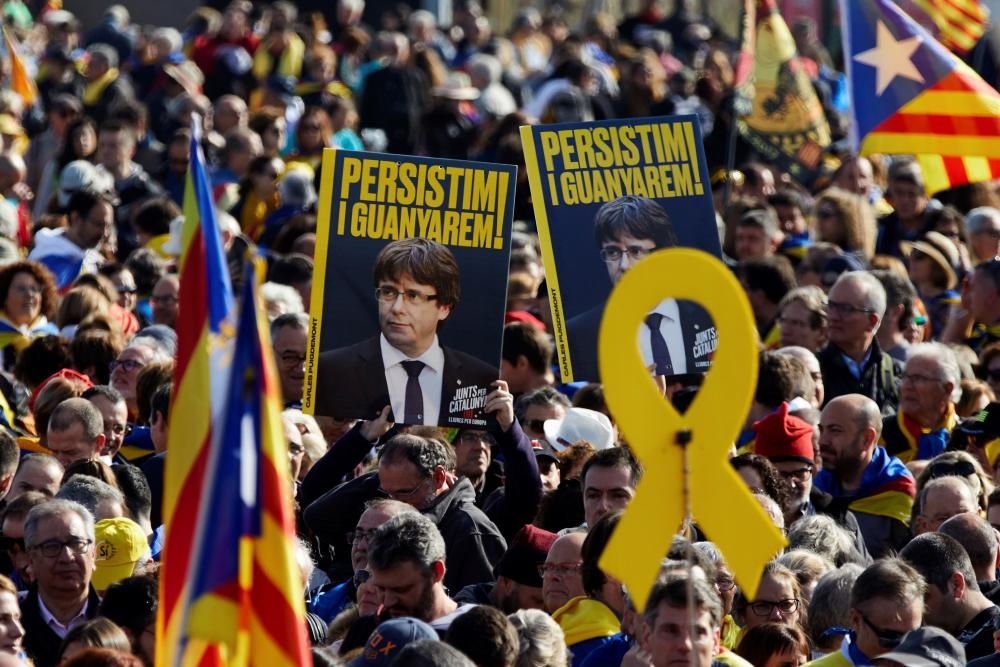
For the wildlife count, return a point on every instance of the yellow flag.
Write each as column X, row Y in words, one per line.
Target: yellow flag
column 20, row 82
column 720, row 502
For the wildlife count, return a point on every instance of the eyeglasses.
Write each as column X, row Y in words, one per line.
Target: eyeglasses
column 958, row 468
column 473, row 437
column 119, row 429
column 292, row 359
column 411, row 296
column 404, row 493
column 125, row 289
column 845, row 309
column 764, row 608
column 799, row 474
column 536, row 425
column 560, row 569
column 725, row 584
column 359, row 534
column 885, row 638
column 128, row 365
column 917, row 378
column 360, row 577
column 52, row 548
column 10, row 543
column 165, row 299
column 826, row 213
column 613, row 255
column 27, row 290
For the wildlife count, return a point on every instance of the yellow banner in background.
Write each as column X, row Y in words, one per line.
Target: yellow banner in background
column 720, row 502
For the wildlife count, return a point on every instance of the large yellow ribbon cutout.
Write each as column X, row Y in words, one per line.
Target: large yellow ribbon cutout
column 720, row 502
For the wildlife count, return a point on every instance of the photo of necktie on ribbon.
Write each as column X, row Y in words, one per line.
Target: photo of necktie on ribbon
column 717, row 499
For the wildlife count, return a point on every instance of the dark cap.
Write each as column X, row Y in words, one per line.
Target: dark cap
column 927, row 647
column 388, row 640
column 283, row 85
column 543, row 450
column 58, row 53
column 527, row 551
column 837, row 265
column 984, row 425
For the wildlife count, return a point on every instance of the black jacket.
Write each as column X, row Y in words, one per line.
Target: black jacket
column 879, row 377
column 473, row 542
column 117, row 93
column 40, row 641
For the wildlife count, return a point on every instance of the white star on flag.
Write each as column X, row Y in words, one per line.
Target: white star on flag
column 891, row 58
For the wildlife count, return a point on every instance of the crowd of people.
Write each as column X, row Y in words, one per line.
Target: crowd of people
column 873, row 440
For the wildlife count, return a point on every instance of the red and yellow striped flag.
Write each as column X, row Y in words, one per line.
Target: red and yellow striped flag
column 20, row 82
column 957, row 24
column 197, row 399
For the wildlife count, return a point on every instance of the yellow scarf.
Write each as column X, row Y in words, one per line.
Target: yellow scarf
column 253, row 213
column 93, row 91
column 290, row 63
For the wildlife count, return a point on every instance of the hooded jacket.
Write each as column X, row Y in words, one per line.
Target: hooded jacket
column 474, row 543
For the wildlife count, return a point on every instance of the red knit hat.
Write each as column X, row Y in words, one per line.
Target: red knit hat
column 782, row 436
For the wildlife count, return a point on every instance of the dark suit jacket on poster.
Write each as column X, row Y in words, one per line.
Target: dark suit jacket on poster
column 583, row 330
column 352, row 384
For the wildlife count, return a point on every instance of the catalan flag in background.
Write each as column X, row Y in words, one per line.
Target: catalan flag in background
column 198, row 392
column 785, row 122
column 913, row 96
column 957, row 24
column 20, row 82
column 245, row 599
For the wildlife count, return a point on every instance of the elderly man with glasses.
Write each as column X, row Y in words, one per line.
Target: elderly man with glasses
column 852, row 362
column 929, row 389
column 59, row 539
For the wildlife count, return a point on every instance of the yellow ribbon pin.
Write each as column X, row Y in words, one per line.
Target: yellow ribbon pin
column 720, row 502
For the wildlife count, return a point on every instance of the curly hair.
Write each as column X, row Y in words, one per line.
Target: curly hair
column 774, row 486
column 38, row 272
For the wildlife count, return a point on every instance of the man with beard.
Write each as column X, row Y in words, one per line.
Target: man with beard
column 406, row 556
column 59, row 538
column 787, row 442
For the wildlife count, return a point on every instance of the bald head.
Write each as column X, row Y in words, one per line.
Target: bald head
column 849, row 429
column 978, row 538
column 941, row 499
column 864, row 411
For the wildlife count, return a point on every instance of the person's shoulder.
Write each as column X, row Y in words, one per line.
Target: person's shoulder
column 835, row 659
column 350, row 354
column 988, row 661
column 469, row 363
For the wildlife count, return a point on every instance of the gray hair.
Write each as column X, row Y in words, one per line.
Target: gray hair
column 298, row 321
column 283, row 296
column 159, row 348
column 822, row 535
column 830, row 605
column 873, row 293
column 425, row 454
column 947, row 362
column 543, row 643
column 422, row 17
column 977, row 219
column 89, row 492
column 55, row 508
column 171, row 36
column 804, row 355
column 953, row 482
column 485, row 67
column 406, row 537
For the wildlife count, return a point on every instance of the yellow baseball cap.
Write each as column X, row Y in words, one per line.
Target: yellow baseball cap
column 121, row 543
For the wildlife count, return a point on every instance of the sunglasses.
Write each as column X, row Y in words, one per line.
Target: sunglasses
column 958, row 469
column 886, row 638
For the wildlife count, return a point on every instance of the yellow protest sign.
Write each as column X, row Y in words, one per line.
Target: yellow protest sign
column 720, row 502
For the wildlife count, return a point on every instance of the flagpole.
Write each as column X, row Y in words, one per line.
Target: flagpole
column 730, row 154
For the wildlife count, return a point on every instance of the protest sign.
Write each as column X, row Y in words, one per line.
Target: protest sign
column 409, row 288
column 605, row 195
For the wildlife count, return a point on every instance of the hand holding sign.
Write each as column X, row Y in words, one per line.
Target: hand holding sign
column 719, row 501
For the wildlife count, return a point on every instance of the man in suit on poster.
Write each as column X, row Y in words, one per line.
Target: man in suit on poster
column 678, row 337
column 417, row 285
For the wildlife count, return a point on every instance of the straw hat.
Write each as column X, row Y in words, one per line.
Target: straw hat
column 940, row 249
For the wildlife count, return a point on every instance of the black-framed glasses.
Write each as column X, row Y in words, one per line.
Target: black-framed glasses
column 845, row 309
column 123, row 430
column 917, row 378
column 411, row 296
column 125, row 289
column 799, row 474
column 886, row 638
column 725, row 583
column 52, row 548
column 613, row 255
column 764, row 608
column 958, row 468
column 536, row 425
column 561, row 569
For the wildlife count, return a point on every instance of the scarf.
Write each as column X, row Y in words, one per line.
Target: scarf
column 925, row 443
column 95, row 88
column 583, row 618
column 20, row 337
column 887, row 487
column 253, row 213
column 289, row 64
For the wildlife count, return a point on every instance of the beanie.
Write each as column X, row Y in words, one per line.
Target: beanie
column 782, row 436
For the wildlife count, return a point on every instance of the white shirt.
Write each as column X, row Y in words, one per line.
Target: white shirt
column 431, row 379
column 55, row 625
column 670, row 327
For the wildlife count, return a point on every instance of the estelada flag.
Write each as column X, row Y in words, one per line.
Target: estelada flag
column 913, row 96
column 785, row 124
column 957, row 24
